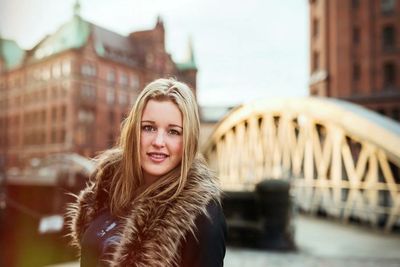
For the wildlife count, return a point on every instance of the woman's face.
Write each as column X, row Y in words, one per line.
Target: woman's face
column 161, row 142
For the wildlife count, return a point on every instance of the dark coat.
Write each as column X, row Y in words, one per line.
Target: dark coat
column 207, row 247
column 187, row 231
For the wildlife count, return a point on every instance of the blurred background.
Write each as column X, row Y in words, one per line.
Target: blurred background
column 299, row 103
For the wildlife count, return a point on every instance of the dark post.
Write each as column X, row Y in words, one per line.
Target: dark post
column 275, row 211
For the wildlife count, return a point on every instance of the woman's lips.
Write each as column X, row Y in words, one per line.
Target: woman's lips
column 157, row 157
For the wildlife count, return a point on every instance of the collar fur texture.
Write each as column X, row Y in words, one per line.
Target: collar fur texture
column 152, row 231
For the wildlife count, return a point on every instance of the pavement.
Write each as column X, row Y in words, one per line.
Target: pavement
column 324, row 243
column 321, row 243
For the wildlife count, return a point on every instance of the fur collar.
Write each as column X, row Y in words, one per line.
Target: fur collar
column 151, row 231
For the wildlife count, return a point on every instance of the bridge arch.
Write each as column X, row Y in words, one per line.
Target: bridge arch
column 340, row 158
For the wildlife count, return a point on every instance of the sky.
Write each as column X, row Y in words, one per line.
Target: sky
column 244, row 50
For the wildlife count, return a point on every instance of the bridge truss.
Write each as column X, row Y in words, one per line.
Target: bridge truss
column 341, row 159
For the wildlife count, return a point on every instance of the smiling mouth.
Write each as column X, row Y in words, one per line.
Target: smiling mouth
column 157, row 157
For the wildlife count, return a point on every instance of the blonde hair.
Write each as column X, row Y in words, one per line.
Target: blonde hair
column 127, row 174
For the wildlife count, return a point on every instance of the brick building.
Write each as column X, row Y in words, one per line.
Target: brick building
column 355, row 52
column 72, row 90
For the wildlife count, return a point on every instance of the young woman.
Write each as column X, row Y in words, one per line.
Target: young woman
column 152, row 201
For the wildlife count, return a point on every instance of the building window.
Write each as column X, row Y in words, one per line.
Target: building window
column 66, row 67
column 54, row 114
column 123, row 79
column 315, row 61
column 356, row 35
column 389, row 37
column 53, row 136
column 42, row 138
column 111, row 76
column 16, row 121
column 63, row 89
column 26, row 119
column 56, row 70
column 45, row 74
column 123, row 99
column 135, row 82
column 389, row 74
column 88, row 69
column 315, row 28
column 110, row 96
column 388, row 6
column 82, row 136
column 62, row 136
column 86, row 116
column 63, row 113
column 356, row 72
column 36, row 74
column 35, row 118
column 43, row 117
column 88, row 92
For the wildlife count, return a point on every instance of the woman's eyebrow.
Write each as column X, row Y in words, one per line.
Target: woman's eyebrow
column 170, row 125
column 174, row 125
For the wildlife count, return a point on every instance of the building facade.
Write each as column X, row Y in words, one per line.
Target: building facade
column 72, row 90
column 355, row 52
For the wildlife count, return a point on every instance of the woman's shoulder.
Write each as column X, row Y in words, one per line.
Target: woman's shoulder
column 213, row 220
column 206, row 246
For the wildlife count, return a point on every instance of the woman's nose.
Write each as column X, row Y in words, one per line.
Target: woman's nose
column 159, row 139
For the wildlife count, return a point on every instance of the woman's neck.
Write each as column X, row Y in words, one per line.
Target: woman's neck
column 149, row 180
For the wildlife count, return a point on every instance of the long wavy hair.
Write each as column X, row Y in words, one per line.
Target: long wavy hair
column 123, row 162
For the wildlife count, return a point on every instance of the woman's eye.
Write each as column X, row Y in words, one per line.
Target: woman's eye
column 174, row 132
column 148, row 128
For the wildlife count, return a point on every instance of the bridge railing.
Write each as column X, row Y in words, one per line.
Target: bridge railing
column 341, row 159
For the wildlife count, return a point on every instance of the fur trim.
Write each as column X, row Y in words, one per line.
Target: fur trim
column 80, row 213
column 152, row 231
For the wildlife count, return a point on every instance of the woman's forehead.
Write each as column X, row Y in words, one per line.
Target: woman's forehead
column 156, row 110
